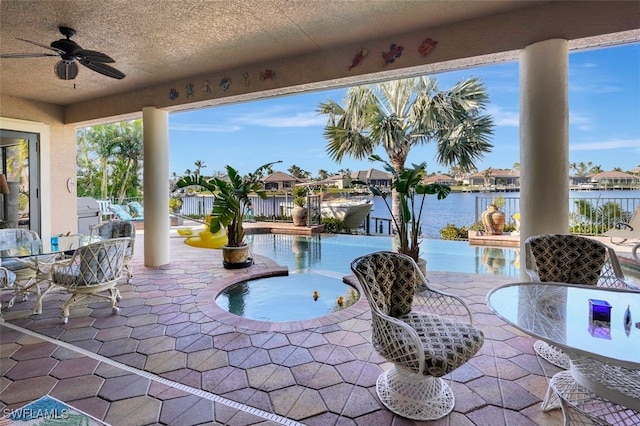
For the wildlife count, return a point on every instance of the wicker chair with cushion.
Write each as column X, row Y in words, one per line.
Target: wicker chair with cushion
column 575, row 260
column 423, row 346
column 93, row 269
column 119, row 229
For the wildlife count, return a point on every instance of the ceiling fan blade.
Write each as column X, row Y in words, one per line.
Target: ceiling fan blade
column 103, row 69
column 27, row 55
column 92, row 56
column 66, row 70
column 41, row 45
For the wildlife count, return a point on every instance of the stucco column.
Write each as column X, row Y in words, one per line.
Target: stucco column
column 156, row 187
column 544, row 140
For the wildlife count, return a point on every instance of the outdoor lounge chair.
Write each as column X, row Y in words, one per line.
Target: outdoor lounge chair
column 575, row 260
column 93, row 269
column 622, row 232
column 423, row 346
column 136, row 210
column 122, row 212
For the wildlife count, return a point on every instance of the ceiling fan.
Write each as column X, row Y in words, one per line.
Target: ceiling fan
column 71, row 53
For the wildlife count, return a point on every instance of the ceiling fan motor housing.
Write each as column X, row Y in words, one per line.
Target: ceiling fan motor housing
column 66, row 70
column 66, row 46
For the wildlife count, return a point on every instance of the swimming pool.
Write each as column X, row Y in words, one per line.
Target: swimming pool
column 318, row 263
column 330, row 254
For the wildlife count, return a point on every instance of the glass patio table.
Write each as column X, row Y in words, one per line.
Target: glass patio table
column 39, row 255
column 605, row 355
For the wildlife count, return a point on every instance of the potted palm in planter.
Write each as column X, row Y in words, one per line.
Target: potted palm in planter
column 299, row 213
column 230, row 206
column 412, row 191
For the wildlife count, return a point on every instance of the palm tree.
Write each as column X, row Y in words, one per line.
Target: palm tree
column 596, row 169
column 581, row 168
column 296, row 171
column 128, row 148
column 323, row 174
column 400, row 114
column 199, row 166
column 487, row 175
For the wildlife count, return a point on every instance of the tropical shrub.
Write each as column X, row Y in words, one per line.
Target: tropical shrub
column 332, row 225
column 596, row 219
column 452, row 232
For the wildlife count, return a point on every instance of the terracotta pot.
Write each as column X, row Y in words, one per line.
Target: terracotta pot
column 299, row 215
column 493, row 220
column 236, row 257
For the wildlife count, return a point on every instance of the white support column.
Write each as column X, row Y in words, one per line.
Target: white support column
column 544, row 140
column 156, row 189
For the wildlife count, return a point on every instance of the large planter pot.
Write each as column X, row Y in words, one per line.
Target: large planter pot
column 493, row 220
column 299, row 215
column 236, row 257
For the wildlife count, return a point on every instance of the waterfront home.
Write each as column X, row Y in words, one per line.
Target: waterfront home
column 615, row 178
column 280, row 181
column 373, row 177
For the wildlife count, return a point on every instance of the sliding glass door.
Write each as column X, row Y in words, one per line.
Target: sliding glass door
column 19, row 165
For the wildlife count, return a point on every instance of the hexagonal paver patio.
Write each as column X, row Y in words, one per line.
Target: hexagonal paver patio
column 174, row 357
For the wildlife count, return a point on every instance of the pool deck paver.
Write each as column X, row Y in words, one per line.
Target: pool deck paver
column 173, row 357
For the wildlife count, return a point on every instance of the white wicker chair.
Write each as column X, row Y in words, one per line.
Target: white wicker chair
column 423, row 346
column 570, row 259
column 582, row 407
column 92, row 269
column 27, row 269
column 119, row 229
column 7, row 281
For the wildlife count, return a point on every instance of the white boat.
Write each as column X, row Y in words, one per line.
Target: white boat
column 352, row 212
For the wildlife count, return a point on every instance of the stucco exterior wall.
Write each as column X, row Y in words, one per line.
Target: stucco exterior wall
column 57, row 154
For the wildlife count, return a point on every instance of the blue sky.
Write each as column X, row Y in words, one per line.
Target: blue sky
column 604, row 105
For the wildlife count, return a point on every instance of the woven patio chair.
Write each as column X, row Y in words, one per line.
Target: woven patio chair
column 575, row 260
column 119, row 229
column 92, row 270
column 423, row 346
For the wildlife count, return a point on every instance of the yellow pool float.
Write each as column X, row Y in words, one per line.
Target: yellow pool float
column 206, row 239
column 185, row 231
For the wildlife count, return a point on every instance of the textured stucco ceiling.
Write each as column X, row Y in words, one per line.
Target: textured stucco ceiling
column 155, row 42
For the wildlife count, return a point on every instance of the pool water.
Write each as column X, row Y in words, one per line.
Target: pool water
column 332, row 254
column 317, row 263
column 287, row 298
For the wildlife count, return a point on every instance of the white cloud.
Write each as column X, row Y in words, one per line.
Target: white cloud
column 503, row 117
column 606, row 145
column 209, row 128
column 594, row 88
column 581, row 121
column 282, row 119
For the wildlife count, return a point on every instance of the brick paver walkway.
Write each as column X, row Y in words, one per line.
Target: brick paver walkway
column 173, row 357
